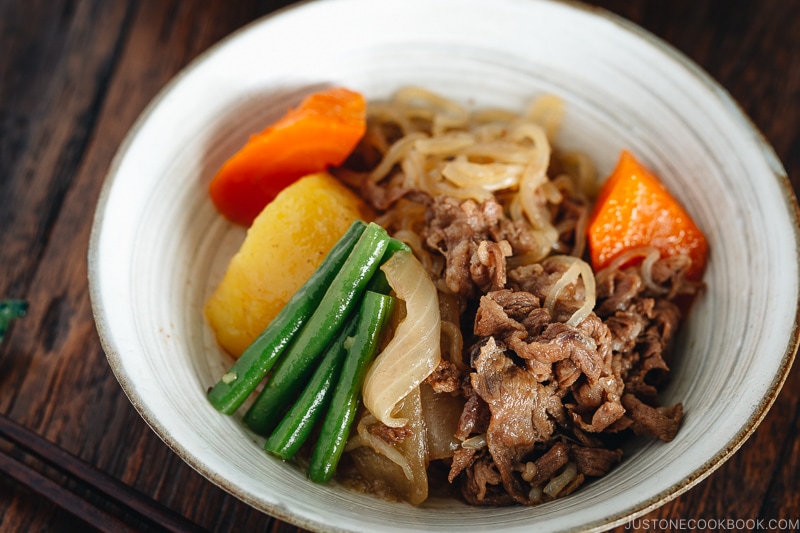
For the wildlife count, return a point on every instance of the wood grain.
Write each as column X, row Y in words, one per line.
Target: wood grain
column 74, row 76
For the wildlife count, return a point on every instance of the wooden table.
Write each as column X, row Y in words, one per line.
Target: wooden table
column 74, row 75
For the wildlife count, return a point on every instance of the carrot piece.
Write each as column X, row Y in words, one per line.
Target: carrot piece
column 633, row 210
column 320, row 132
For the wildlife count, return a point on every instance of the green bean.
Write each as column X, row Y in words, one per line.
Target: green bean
column 379, row 283
column 301, row 418
column 373, row 317
column 258, row 359
column 395, row 245
column 340, row 299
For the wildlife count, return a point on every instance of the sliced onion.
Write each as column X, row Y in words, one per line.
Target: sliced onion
column 557, row 484
column 647, row 272
column 414, row 351
column 444, row 145
column 402, row 465
column 567, row 278
column 382, row 447
column 441, row 412
column 548, row 111
column 395, row 154
column 488, row 176
column 476, row 442
column 536, row 172
column 577, row 267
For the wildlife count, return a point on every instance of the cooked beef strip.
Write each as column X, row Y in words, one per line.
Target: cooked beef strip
column 518, row 407
column 474, row 418
column 590, row 366
column 389, row 434
column 550, row 463
column 659, row 422
column 542, row 393
column 594, row 462
column 502, row 312
column 475, row 239
column 455, row 229
column 482, row 484
column 572, row 486
column 383, row 196
column 670, row 272
column 616, row 290
column 539, row 278
column 505, row 314
column 462, row 459
column 566, row 373
column 446, row 377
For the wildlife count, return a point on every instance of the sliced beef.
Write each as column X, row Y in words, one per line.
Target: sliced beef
column 539, row 279
column 625, row 328
column 474, row 418
column 475, row 240
column 483, row 484
column 518, row 405
column 487, row 266
column 456, row 229
column 648, row 360
column 389, row 434
column 515, row 318
column 505, row 310
column 550, row 463
column 659, row 422
column 669, row 273
column 570, row 220
column 383, row 196
column 616, row 289
column 446, row 377
column 594, row 462
column 463, row 458
column 542, row 397
column 566, row 373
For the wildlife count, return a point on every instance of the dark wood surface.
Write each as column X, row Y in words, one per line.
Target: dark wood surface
column 75, row 74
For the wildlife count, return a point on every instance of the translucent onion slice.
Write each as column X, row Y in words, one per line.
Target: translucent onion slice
column 395, row 154
column 414, row 351
column 498, row 151
column 536, row 173
column 382, row 447
column 440, row 412
column 417, row 97
column 548, row 111
column 488, row 176
column 401, row 466
column 384, row 112
column 577, row 267
column 567, row 278
column 557, row 484
column 445, row 145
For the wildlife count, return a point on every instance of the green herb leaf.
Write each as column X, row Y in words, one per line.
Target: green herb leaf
column 10, row 310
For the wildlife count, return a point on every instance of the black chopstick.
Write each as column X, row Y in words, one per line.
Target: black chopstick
column 62, row 497
column 113, row 488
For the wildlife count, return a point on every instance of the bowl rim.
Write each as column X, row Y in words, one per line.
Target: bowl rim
column 114, row 358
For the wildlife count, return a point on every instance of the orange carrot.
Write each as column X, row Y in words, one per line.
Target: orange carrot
column 634, row 209
column 321, row 132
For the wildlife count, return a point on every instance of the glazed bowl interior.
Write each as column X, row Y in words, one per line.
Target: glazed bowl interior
column 158, row 246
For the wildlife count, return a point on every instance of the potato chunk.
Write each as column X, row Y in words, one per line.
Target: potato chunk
column 284, row 246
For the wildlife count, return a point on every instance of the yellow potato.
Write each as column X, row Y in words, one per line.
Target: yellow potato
column 283, row 247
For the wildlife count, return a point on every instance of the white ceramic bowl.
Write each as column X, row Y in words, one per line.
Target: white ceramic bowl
column 158, row 247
